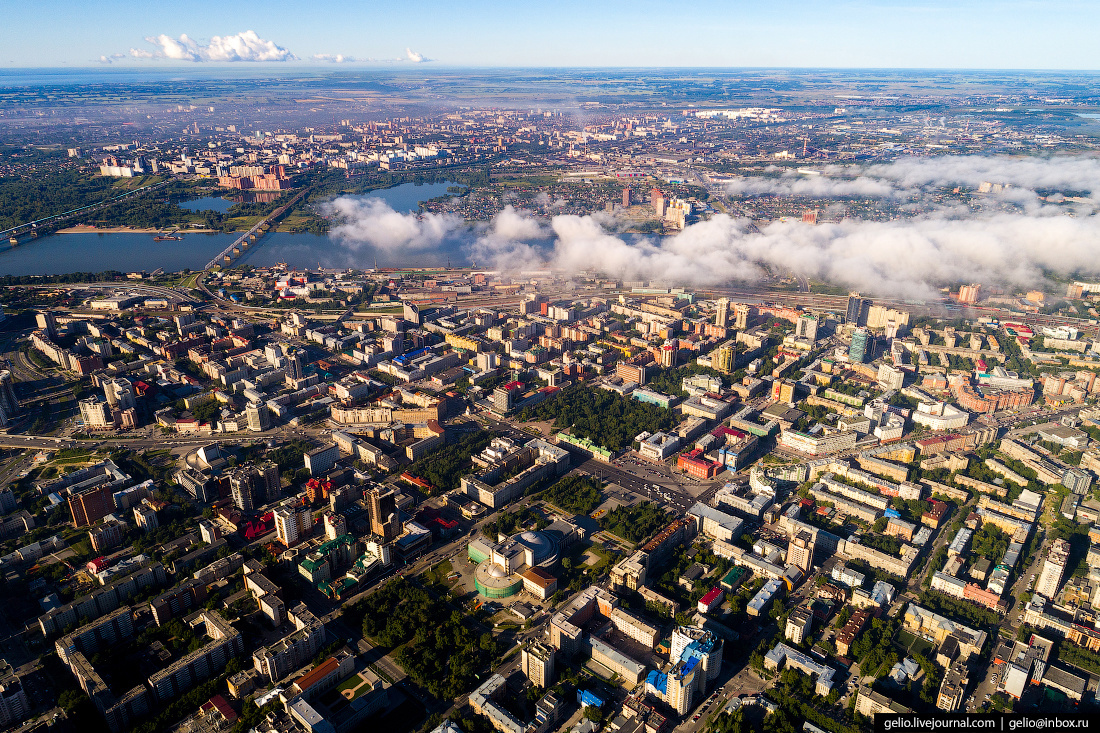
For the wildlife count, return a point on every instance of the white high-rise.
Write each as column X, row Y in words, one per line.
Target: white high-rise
column 1050, row 580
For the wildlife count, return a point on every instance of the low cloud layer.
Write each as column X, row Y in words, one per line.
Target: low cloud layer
column 909, row 258
column 245, row 46
column 1022, row 179
column 415, row 57
column 334, row 58
column 371, row 222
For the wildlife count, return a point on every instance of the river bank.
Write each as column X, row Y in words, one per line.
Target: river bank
column 89, row 229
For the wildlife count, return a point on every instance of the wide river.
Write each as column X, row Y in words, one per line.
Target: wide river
column 62, row 253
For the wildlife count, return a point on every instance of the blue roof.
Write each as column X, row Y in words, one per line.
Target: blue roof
column 586, row 698
column 657, row 681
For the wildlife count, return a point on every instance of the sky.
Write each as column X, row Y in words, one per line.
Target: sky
column 999, row 34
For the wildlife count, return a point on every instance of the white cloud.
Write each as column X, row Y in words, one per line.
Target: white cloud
column 915, row 178
column 245, row 46
column 370, row 221
column 910, row 257
column 338, row 58
column 415, row 57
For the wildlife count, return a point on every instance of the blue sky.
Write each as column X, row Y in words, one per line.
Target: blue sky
column 959, row 34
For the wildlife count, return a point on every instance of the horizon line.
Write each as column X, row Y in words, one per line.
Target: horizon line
column 423, row 66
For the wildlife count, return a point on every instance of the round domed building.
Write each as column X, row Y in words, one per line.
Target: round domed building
column 500, row 566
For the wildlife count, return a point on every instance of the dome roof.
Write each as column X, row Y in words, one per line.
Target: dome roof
column 541, row 544
column 496, row 571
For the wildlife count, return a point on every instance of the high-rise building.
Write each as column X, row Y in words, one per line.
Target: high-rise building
column 244, row 488
column 724, row 357
column 91, row 505
column 272, row 481
column 14, row 706
column 670, row 353
column 856, row 314
column 335, row 525
column 258, row 417
column 47, row 324
column 800, row 551
column 95, row 414
column 146, row 517
column 9, row 403
column 861, row 346
column 1050, row 580
column 722, row 314
column 799, row 624
column 970, row 293
column 537, row 662
column 321, row 460
column 292, row 523
column 743, row 312
column 384, row 521
column 295, row 365
column 806, row 328
column 627, row 197
column 890, row 377
column 119, row 393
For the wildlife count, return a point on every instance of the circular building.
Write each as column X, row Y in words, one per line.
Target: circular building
column 500, row 566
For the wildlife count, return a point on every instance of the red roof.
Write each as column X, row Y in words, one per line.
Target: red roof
column 222, row 707
column 513, row 385
column 713, row 595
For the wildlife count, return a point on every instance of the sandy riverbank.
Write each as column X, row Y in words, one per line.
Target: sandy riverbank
column 85, row 229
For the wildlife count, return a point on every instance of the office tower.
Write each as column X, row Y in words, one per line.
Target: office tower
column 95, row 414
column 258, row 417
column 502, row 399
column 537, row 662
column 806, row 328
column 295, row 365
column 627, row 197
column 47, row 324
column 858, row 307
column 861, row 346
column 1050, row 580
column 722, row 314
column 383, row 512
column 891, row 377
column 8, row 401
column 800, row 551
column 91, row 505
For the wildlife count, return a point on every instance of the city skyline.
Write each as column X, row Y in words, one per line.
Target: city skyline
column 982, row 35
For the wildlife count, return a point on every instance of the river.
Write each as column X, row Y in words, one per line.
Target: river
column 62, row 253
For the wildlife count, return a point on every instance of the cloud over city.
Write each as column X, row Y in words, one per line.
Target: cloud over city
column 905, row 258
column 244, row 46
column 334, row 58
